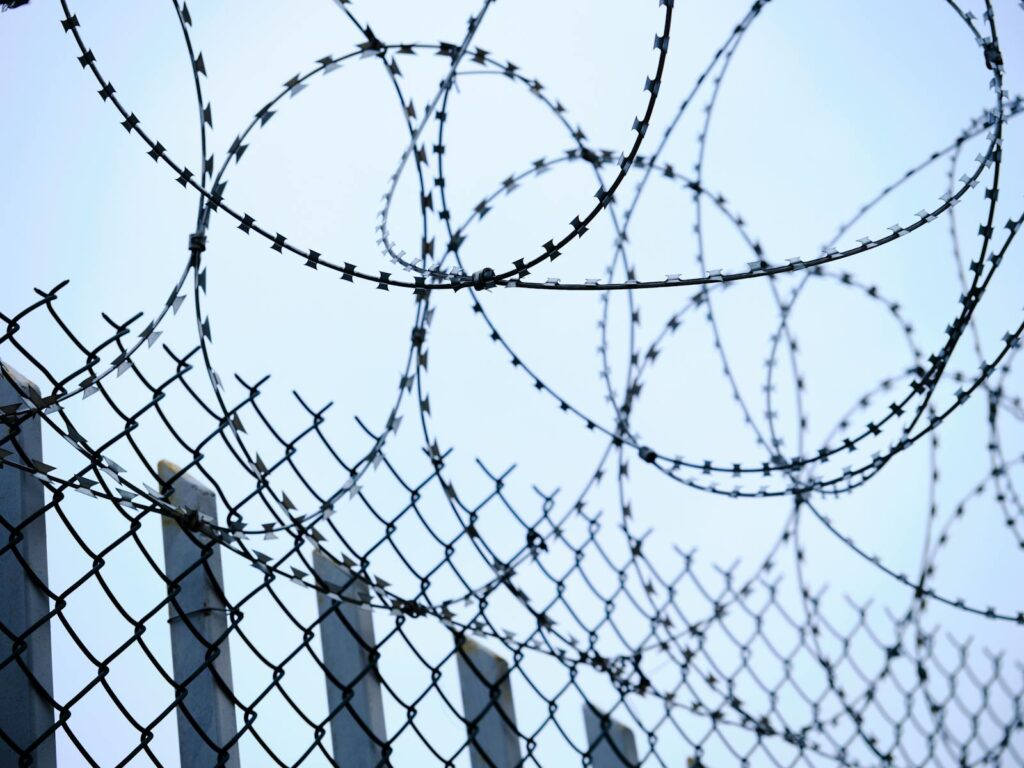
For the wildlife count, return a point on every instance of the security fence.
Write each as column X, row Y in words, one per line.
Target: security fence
column 237, row 588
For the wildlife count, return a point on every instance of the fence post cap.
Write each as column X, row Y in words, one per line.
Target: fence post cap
column 168, row 469
column 187, row 493
column 473, row 649
column 19, row 380
column 469, row 645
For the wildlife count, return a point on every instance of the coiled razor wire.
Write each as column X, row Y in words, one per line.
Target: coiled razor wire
column 704, row 669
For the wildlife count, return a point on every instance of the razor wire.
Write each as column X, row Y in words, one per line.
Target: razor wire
column 704, row 668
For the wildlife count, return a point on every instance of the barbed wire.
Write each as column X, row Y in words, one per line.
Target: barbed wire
column 423, row 572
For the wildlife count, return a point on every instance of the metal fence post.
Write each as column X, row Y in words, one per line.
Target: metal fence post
column 26, row 666
column 487, row 707
column 199, row 644
column 358, row 733
column 612, row 744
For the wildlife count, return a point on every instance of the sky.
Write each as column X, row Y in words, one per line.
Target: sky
column 823, row 106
